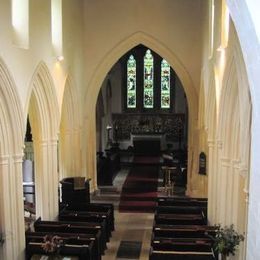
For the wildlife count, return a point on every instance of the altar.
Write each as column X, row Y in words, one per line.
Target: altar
column 148, row 143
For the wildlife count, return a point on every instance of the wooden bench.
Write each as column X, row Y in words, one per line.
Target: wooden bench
column 105, row 208
column 82, row 248
column 178, row 209
column 183, row 231
column 85, row 216
column 68, row 238
column 181, row 249
column 183, row 202
column 72, row 227
column 179, row 219
column 179, row 255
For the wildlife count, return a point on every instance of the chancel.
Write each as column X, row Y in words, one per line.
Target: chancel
column 128, row 123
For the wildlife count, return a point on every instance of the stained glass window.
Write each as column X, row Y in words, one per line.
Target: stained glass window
column 148, row 80
column 131, row 82
column 165, row 84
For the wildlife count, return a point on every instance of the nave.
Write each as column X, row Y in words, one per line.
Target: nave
column 132, row 233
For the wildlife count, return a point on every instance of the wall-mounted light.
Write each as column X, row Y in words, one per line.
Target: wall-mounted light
column 60, row 58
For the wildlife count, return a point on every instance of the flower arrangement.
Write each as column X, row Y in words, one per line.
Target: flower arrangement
column 52, row 244
column 226, row 240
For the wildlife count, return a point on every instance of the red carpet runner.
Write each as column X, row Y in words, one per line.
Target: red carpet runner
column 139, row 191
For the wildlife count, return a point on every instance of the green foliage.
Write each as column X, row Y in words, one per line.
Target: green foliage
column 227, row 240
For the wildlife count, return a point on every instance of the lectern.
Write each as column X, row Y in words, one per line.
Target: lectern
column 168, row 179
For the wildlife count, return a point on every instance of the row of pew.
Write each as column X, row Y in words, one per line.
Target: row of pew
column 180, row 230
column 83, row 228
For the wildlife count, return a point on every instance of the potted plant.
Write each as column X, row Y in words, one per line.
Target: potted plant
column 226, row 241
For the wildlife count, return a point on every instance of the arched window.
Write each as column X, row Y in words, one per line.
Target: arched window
column 131, row 82
column 165, row 84
column 148, row 80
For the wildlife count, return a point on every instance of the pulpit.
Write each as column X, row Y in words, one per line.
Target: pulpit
column 75, row 189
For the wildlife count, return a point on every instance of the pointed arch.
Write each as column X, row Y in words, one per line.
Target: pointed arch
column 249, row 43
column 234, row 124
column 211, row 125
column 210, row 109
column 12, row 128
column 44, row 117
column 45, row 98
column 103, row 68
column 150, row 42
column 70, row 162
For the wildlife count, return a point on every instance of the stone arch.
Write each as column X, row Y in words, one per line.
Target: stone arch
column 251, row 52
column 11, row 153
column 211, row 125
column 70, row 132
column 44, row 117
column 229, row 93
column 210, row 109
column 228, row 117
column 103, row 68
column 118, row 51
column 234, row 124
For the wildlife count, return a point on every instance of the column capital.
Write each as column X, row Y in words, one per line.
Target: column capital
column 225, row 162
column 236, row 164
column 211, row 143
column 18, row 158
column 4, row 159
column 219, row 144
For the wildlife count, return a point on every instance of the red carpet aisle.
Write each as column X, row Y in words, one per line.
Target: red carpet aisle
column 139, row 191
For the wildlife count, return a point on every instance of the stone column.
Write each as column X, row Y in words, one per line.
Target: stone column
column 211, row 182
column 46, row 179
column 224, row 183
column 11, row 207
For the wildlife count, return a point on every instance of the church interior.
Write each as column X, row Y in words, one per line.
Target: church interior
column 129, row 129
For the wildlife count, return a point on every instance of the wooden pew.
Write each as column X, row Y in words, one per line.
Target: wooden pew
column 69, row 239
column 105, row 208
column 72, row 227
column 184, row 202
column 85, row 216
column 84, row 246
column 82, row 250
column 183, row 231
column 181, row 249
column 156, row 254
column 179, row 219
column 178, row 209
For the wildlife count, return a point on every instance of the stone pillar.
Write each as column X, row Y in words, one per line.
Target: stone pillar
column 46, row 179
column 11, row 207
column 224, row 183
column 211, row 182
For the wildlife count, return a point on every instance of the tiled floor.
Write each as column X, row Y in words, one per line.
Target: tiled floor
column 128, row 226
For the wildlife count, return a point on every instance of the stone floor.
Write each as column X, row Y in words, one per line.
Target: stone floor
column 128, row 226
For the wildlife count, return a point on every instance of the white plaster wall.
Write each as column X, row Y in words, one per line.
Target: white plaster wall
column 23, row 62
column 164, row 20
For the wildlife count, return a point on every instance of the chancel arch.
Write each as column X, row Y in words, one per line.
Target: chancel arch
column 11, row 154
column 104, row 67
column 44, row 117
column 69, row 146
